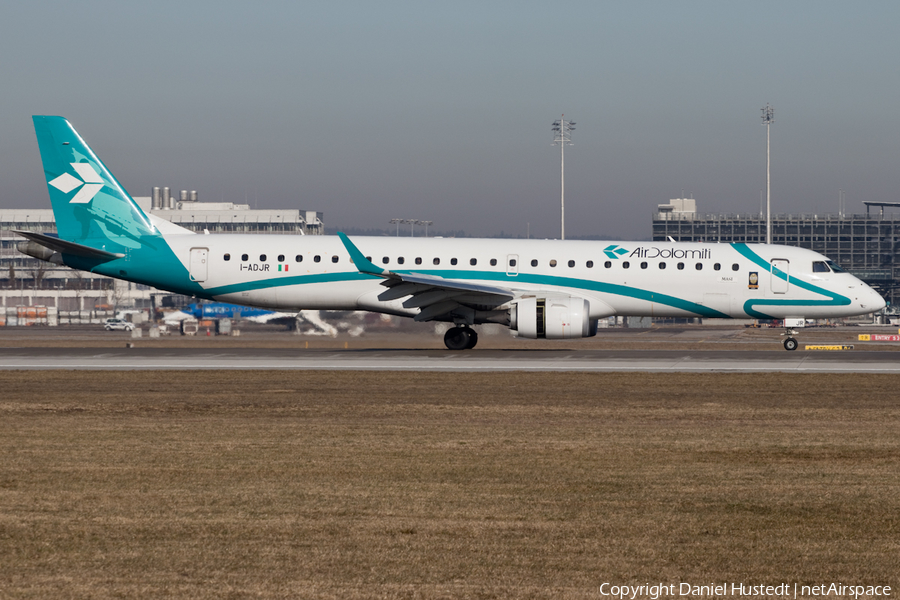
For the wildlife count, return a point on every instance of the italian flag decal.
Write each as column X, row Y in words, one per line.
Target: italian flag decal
column 285, row 267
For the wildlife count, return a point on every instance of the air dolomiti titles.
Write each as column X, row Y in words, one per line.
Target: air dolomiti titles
column 654, row 252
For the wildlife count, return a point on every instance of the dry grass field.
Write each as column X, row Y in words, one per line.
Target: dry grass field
column 430, row 485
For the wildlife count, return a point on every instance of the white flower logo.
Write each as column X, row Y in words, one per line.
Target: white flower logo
column 90, row 183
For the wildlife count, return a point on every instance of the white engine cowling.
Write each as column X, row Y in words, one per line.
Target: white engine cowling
column 552, row 318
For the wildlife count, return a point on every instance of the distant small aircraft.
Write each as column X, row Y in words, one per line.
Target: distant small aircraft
column 223, row 310
column 220, row 310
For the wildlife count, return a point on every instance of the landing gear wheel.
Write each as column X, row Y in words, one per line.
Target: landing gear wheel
column 790, row 344
column 460, row 338
column 473, row 339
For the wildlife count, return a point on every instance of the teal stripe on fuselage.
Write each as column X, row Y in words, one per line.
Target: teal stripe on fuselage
column 154, row 264
column 567, row 282
column 274, row 282
column 834, row 298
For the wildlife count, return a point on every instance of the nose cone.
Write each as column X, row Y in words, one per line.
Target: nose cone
column 871, row 300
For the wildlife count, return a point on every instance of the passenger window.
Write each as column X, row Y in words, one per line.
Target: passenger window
column 699, row 266
column 735, row 267
column 334, row 259
column 493, row 262
column 384, row 260
column 607, row 264
column 589, row 264
column 418, row 260
column 717, row 267
column 244, row 257
column 571, row 263
column 262, row 258
column 662, row 265
column 299, row 258
column 436, row 261
column 281, row 258
column 626, row 264
column 820, row 267
column 317, row 258
column 680, row 266
column 553, row 263
column 473, row 261
column 534, row 263
column 400, row 260
column 643, row 265
column 453, row 261
column 512, row 262
column 227, row 257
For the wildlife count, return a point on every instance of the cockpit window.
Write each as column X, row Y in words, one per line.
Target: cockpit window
column 834, row 266
column 819, row 266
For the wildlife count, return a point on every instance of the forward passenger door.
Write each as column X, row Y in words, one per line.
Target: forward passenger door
column 778, row 284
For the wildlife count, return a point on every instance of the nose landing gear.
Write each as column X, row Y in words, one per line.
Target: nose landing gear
column 460, row 338
column 790, row 342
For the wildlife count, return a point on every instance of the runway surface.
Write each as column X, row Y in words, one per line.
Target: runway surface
column 853, row 361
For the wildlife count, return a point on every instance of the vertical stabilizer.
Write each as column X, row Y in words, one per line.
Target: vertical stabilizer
column 89, row 204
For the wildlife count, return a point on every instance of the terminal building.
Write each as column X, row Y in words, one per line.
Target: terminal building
column 867, row 245
column 29, row 282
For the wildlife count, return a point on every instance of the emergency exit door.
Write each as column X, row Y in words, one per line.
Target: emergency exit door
column 199, row 263
column 512, row 265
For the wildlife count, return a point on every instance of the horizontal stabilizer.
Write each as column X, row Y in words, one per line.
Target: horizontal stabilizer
column 64, row 247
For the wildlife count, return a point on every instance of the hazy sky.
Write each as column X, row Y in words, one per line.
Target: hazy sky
column 442, row 110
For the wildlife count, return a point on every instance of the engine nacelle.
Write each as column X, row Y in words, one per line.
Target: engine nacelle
column 552, row 318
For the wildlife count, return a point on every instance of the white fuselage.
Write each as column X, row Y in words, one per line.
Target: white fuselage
column 617, row 278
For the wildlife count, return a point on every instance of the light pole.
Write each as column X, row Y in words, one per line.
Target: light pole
column 563, row 136
column 768, row 117
column 412, row 224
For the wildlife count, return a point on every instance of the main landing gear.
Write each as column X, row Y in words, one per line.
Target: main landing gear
column 790, row 343
column 460, row 338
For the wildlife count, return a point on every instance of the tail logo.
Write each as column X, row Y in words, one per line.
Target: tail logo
column 90, row 183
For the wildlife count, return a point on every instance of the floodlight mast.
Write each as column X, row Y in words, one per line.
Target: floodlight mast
column 563, row 136
column 412, row 224
column 768, row 117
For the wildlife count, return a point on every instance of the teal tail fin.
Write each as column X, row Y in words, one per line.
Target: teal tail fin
column 91, row 207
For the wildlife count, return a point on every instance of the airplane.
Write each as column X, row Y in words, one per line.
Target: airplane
column 216, row 310
column 548, row 289
column 223, row 310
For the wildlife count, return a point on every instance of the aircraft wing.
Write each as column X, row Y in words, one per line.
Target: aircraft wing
column 272, row 316
column 434, row 296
